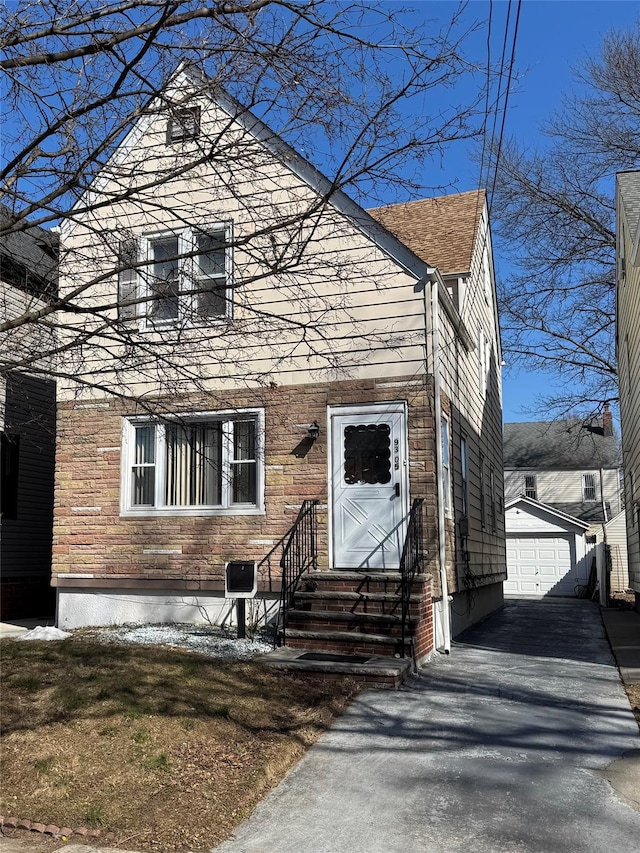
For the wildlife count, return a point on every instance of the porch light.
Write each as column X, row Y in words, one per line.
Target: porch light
column 313, row 430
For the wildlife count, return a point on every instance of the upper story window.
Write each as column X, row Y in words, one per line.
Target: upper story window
column 446, row 465
column 202, row 465
column 589, row 488
column 175, row 277
column 183, row 124
column 531, row 486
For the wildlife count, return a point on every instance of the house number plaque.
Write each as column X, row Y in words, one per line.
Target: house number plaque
column 396, row 453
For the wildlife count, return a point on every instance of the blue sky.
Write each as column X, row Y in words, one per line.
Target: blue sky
column 553, row 37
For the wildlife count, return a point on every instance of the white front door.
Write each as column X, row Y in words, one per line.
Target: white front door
column 369, row 486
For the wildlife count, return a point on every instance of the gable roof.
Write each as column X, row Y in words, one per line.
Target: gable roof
column 419, row 235
column 559, row 444
column 442, row 231
column 628, row 191
column 551, row 509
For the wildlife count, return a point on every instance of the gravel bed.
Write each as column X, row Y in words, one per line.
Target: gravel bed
column 210, row 640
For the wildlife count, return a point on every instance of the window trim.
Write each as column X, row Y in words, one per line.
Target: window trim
column 127, row 509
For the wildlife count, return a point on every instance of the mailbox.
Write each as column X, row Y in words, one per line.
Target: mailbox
column 240, row 579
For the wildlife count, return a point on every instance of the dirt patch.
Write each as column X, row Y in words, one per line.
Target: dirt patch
column 633, row 692
column 167, row 749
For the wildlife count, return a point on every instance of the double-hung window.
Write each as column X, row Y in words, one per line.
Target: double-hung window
column 181, row 276
column 204, row 464
column 530, row 486
column 589, row 488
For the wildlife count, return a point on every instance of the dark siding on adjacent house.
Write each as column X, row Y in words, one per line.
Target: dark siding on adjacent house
column 25, row 535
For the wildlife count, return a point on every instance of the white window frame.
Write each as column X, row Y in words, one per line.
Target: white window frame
column 445, row 445
column 187, row 258
column 585, row 499
column 128, row 509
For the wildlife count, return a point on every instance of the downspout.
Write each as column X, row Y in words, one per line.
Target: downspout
column 434, row 278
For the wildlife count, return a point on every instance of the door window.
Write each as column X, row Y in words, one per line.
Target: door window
column 367, row 454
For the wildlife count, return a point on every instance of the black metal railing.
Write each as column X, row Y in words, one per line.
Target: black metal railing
column 411, row 563
column 294, row 554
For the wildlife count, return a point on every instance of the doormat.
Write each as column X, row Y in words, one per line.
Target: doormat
column 329, row 658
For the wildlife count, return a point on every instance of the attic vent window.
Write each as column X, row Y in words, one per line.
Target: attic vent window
column 184, row 124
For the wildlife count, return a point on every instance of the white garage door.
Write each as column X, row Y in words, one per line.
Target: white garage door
column 541, row 565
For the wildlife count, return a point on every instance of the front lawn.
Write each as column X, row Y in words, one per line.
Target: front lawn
column 164, row 748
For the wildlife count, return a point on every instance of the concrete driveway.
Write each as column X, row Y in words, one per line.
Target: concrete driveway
column 498, row 748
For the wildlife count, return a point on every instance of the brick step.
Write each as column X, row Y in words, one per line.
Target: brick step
column 350, row 581
column 322, row 620
column 385, row 673
column 345, row 642
column 362, row 602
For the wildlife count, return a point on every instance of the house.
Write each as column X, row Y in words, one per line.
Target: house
column 628, row 354
column 28, row 262
column 274, row 374
column 563, row 496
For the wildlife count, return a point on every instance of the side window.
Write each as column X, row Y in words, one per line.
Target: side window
column 482, row 494
column 492, row 498
column 465, row 477
column 446, row 464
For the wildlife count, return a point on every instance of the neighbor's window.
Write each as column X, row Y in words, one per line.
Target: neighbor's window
column 204, row 463
column 176, row 277
column 530, row 486
column 589, row 488
column 184, row 124
column 446, row 464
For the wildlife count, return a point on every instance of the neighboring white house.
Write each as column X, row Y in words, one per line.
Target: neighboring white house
column 628, row 352
column 563, row 505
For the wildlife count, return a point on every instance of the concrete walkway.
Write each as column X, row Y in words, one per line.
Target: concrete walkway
column 501, row 747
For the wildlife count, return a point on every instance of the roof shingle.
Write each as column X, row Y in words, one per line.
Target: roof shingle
column 441, row 231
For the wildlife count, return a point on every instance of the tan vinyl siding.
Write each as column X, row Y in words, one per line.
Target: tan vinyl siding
column 628, row 336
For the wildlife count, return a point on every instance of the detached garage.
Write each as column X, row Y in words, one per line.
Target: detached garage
column 546, row 550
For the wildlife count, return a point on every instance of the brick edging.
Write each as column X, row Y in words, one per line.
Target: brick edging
column 63, row 832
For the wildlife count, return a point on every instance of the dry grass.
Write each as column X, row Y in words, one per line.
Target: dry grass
column 167, row 749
